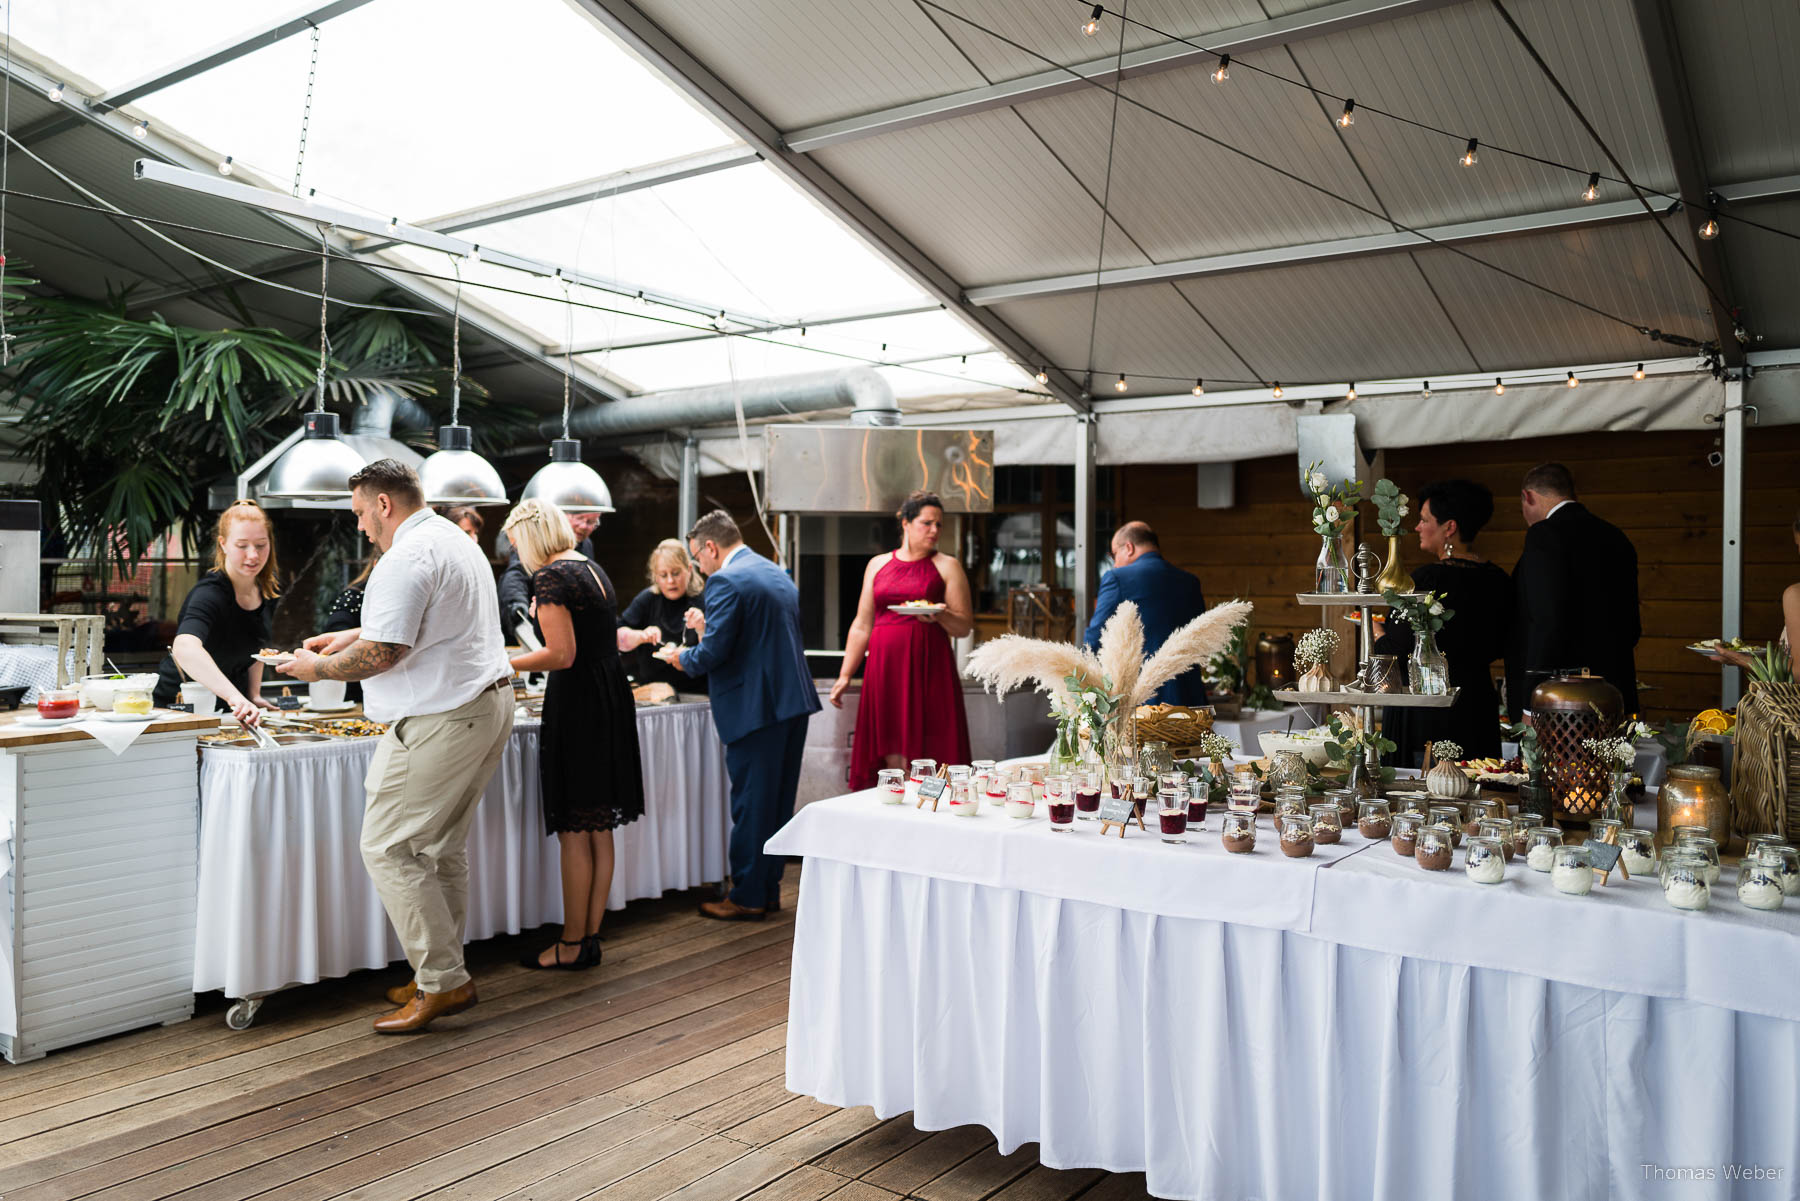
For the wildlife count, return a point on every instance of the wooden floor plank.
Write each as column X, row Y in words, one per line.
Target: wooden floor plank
column 1119, row 1186
column 705, row 1067
column 744, row 1105
column 676, row 1172
column 731, row 1084
column 939, row 1153
column 792, row 1114
column 804, row 1183
column 872, row 1148
column 830, row 1132
column 739, row 1178
column 985, row 1172
column 586, row 1176
column 1049, row 1184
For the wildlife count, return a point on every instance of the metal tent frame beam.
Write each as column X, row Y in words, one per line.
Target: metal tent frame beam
column 654, row 44
column 1341, row 248
column 1167, row 56
column 910, row 310
column 197, row 64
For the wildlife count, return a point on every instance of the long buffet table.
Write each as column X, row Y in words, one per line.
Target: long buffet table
column 1344, row 1026
column 284, row 897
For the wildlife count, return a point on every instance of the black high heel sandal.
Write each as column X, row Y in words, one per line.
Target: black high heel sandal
column 532, row 961
column 590, row 951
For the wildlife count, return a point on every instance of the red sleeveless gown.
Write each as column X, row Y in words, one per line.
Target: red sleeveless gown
column 912, row 701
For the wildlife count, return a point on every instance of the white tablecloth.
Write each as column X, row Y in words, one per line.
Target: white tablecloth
column 284, row 896
column 1256, row 1058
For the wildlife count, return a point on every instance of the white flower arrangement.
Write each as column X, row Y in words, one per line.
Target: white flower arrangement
column 1333, row 505
column 1446, row 751
column 1315, row 648
column 1616, row 753
column 1216, row 747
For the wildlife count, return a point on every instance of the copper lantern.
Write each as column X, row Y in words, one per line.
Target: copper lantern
column 1565, row 710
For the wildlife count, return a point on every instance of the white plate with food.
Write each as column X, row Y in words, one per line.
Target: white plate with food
column 273, row 658
column 115, row 715
column 914, row 608
column 33, row 721
column 666, row 652
column 1712, row 646
column 340, row 707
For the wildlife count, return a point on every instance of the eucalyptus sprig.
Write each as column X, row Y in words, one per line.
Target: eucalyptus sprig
column 1425, row 613
column 1391, row 507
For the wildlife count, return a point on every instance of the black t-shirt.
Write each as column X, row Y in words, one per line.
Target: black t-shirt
column 230, row 634
column 652, row 608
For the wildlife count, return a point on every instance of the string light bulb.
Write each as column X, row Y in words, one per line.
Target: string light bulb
column 1425, row 392
column 225, row 166
column 1572, row 381
column 1120, row 385
column 1591, row 193
column 1639, row 373
column 1199, row 387
column 141, row 130
column 1499, row 388
column 1093, row 22
column 1709, row 229
column 55, row 91
column 1222, row 72
column 1350, row 393
column 1276, row 390
column 1469, row 157
column 1348, row 117
column 1042, row 376
column 474, row 255
column 393, row 225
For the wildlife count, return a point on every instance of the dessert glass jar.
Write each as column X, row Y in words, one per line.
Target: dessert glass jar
column 1433, row 848
column 1373, row 819
column 1500, row 829
column 1327, row 823
column 1448, row 815
column 1523, row 825
column 1789, row 858
column 890, row 785
column 1237, row 831
column 1759, row 881
column 1171, row 815
column 965, row 797
column 1572, row 870
column 1086, row 783
column 1637, row 850
column 1684, row 881
column 1708, row 848
column 1540, row 847
column 1021, row 801
column 58, row 704
column 1295, row 833
column 133, row 701
column 1484, row 859
column 1405, row 833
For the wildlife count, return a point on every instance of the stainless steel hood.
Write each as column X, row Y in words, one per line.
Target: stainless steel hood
column 863, row 469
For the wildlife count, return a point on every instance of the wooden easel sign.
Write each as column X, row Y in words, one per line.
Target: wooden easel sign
column 931, row 790
column 1120, row 812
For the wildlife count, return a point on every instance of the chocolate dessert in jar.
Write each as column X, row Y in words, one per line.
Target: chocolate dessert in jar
column 1450, row 816
column 1499, row 829
column 1237, row 832
column 1327, row 823
column 1290, row 800
column 1434, row 846
column 1405, row 835
column 1484, row 860
column 1345, row 800
column 1522, row 826
column 1295, row 833
column 1373, row 820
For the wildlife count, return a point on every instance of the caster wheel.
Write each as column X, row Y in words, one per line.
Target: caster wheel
column 242, row 1014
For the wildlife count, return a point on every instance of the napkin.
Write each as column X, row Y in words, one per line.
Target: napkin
column 115, row 736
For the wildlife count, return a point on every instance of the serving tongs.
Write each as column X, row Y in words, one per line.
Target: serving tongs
column 264, row 739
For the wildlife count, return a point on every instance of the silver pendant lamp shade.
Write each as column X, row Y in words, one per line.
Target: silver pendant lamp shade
column 455, row 475
column 568, row 483
column 318, row 467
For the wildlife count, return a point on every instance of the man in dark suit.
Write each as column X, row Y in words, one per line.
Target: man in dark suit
column 1576, row 593
column 762, row 695
column 1167, row 599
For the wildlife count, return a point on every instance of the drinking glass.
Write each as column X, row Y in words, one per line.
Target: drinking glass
column 1172, row 813
column 1198, row 789
column 890, row 785
column 1062, row 806
column 1087, row 794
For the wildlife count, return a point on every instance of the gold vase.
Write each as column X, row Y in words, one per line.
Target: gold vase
column 1693, row 796
column 1393, row 572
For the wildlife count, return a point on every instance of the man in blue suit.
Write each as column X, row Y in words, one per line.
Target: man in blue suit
column 1167, row 599
column 762, row 695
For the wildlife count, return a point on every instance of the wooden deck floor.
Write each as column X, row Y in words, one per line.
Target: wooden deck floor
column 658, row 1074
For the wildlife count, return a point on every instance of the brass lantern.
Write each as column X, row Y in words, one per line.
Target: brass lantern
column 1565, row 710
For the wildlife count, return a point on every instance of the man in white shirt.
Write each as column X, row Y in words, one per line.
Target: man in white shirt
column 434, row 670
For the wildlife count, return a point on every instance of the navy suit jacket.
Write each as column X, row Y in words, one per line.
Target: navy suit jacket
column 751, row 653
column 1167, row 599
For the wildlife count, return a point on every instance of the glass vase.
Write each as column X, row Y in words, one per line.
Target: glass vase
column 1393, row 573
column 1118, row 745
column 1427, row 670
column 1065, row 756
column 1617, row 808
column 1331, row 573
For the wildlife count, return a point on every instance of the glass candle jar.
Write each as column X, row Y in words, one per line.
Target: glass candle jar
column 1540, row 847
column 1572, row 870
column 1433, row 848
column 1637, row 850
column 1484, row 858
column 1707, row 847
column 1759, row 880
column 890, row 785
column 1405, row 833
column 1294, row 831
column 1327, row 823
column 1373, row 820
column 1684, row 882
column 1021, row 801
column 1087, row 784
column 1448, row 815
column 1237, row 831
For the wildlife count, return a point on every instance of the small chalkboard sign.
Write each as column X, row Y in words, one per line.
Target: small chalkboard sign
column 180, row 706
column 931, row 790
column 1606, row 856
column 287, row 700
column 1120, row 812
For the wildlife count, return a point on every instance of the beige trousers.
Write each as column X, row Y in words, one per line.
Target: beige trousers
column 426, row 778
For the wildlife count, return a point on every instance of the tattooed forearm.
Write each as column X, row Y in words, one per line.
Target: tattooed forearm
column 360, row 660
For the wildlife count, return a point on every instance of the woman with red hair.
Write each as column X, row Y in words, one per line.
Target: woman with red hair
column 227, row 616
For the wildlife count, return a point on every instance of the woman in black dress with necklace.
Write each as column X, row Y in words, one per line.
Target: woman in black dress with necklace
column 588, row 761
column 1452, row 514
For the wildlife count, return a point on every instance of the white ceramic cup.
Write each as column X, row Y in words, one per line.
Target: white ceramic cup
column 329, row 693
column 200, row 697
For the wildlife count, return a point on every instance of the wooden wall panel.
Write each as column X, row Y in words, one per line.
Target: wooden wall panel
column 1657, row 487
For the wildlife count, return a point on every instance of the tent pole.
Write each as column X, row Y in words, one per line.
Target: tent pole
column 1731, row 591
column 1086, row 428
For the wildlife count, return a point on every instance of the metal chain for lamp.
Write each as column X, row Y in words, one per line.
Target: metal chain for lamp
column 456, row 347
column 568, row 341
column 306, row 112
column 324, row 338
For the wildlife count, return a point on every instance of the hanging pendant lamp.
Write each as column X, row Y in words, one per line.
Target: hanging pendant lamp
column 454, row 474
column 319, row 466
column 565, row 480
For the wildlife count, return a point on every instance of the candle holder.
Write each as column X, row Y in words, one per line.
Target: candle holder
column 1693, row 796
column 1566, row 710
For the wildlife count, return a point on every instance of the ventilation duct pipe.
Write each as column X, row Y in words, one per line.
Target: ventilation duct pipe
column 859, row 389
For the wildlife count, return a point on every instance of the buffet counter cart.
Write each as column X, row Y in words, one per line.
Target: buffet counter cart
column 96, row 881
column 1341, row 1026
column 284, row 896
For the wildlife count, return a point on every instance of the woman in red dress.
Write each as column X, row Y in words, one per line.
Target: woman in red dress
column 912, row 703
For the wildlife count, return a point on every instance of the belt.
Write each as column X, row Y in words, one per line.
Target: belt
column 504, row 682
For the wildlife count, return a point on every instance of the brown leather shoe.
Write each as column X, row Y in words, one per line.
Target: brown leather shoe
column 775, row 905
column 425, row 1008
column 400, row 994
column 729, row 910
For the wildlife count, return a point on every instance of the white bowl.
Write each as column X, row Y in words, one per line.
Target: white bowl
column 98, row 690
column 1308, row 749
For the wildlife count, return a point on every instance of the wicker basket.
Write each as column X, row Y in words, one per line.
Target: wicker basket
column 1177, row 725
column 1765, row 762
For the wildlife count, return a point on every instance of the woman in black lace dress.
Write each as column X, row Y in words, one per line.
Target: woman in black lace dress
column 588, row 762
column 1451, row 516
